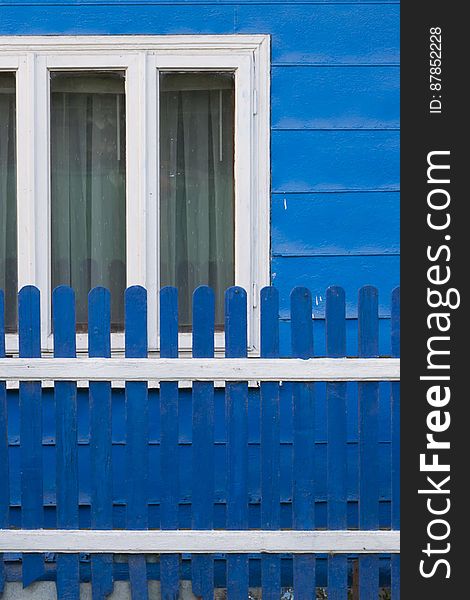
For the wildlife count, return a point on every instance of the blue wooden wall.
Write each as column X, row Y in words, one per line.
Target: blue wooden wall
column 335, row 203
column 335, row 120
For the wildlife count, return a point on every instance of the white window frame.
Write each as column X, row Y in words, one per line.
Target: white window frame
column 142, row 57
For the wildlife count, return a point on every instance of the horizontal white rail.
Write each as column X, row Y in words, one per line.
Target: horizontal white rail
column 197, row 542
column 199, row 369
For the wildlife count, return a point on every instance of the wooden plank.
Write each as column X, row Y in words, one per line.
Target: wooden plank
column 169, row 464
column 368, row 398
column 197, row 542
column 236, row 398
column 395, row 561
column 65, row 396
column 202, row 567
column 30, row 429
column 200, row 369
column 336, row 432
column 303, row 495
column 4, row 454
column 136, row 434
column 270, row 443
column 99, row 345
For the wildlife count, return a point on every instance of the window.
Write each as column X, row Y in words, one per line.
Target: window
column 8, row 255
column 134, row 160
column 88, row 187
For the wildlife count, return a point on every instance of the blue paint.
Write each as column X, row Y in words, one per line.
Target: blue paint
column 334, row 221
column 30, row 434
column 336, row 394
column 335, row 97
column 136, row 434
column 302, row 34
column 368, row 443
column 203, row 440
column 101, row 496
column 351, row 272
column 303, row 461
column 4, row 470
column 395, row 467
column 65, row 396
column 270, row 441
column 335, row 161
column 335, row 224
column 169, row 463
column 236, row 397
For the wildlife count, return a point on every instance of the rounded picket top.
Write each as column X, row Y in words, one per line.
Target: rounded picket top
column 235, row 322
column 301, row 322
column 169, row 322
column 135, row 308
column 396, row 295
column 28, row 292
column 203, row 321
column 335, row 291
column 29, row 322
column 396, row 321
column 269, row 305
column 335, row 320
column 368, row 321
column 63, row 319
column 99, row 322
column 270, row 294
column 204, row 294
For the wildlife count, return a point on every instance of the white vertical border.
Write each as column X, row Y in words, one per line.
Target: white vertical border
column 248, row 56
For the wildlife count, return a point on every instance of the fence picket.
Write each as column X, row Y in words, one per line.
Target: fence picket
column 368, row 395
column 270, row 440
column 336, row 428
column 236, row 397
column 137, row 434
column 99, row 345
column 203, row 441
column 203, row 572
column 30, row 429
column 395, row 566
column 169, row 463
column 65, row 396
column 4, row 459
column 303, row 498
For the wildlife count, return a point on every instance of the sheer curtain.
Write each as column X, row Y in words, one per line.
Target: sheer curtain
column 88, row 195
column 196, row 185
column 8, row 234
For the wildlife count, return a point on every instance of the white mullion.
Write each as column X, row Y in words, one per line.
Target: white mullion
column 42, row 199
column 243, row 182
column 26, row 117
column 151, row 168
column 136, row 238
column 32, row 181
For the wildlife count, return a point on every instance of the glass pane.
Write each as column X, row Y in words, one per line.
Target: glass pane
column 88, row 187
column 8, row 236
column 196, row 185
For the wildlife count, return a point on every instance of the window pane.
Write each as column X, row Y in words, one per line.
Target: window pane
column 196, row 185
column 88, row 196
column 8, row 236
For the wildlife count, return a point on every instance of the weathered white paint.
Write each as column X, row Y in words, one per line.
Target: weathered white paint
column 200, row 369
column 196, row 542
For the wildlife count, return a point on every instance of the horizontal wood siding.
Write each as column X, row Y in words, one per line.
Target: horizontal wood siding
column 335, row 120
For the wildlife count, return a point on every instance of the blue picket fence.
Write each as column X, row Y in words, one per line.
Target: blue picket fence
column 151, row 457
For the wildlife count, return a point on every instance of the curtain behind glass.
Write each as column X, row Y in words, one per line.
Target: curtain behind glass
column 8, row 234
column 197, row 186
column 88, row 196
